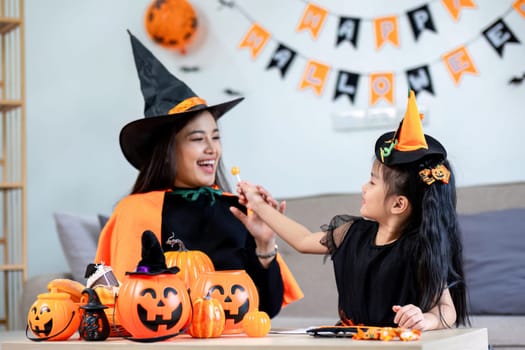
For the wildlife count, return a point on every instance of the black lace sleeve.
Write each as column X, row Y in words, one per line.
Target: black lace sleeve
column 336, row 231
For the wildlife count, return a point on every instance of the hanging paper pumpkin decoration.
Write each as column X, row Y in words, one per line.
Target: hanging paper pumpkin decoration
column 190, row 262
column 208, row 318
column 53, row 316
column 234, row 289
column 171, row 23
column 256, row 323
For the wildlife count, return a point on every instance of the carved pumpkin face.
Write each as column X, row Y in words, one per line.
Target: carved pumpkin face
column 236, row 292
column 53, row 316
column 153, row 305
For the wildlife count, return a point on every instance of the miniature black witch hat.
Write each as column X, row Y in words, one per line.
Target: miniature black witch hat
column 153, row 260
column 166, row 98
column 408, row 144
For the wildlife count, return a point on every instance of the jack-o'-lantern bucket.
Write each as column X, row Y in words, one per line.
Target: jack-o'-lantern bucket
column 153, row 302
column 234, row 289
column 53, row 316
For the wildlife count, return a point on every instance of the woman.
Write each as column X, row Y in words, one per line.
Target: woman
column 178, row 195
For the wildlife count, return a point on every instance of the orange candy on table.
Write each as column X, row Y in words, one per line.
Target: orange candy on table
column 208, row 318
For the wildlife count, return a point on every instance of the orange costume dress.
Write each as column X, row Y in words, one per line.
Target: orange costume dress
column 202, row 220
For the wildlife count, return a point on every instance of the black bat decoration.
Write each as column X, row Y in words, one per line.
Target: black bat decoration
column 517, row 80
column 232, row 92
column 225, row 3
column 190, row 69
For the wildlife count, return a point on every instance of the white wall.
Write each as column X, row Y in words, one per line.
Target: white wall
column 82, row 88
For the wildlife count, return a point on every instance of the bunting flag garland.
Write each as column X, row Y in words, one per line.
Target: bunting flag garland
column 420, row 19
column 312, row 20
column 282, row 58
column 458, row 62
column 386, row 31
column 498, row 34
column 454, row 6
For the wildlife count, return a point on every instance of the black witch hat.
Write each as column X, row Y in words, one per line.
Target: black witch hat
column 167, row 100
column 153, row 260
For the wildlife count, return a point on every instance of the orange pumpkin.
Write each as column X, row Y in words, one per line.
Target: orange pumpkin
column 153, row 305
column 208, row 318
column 256, row 324
column 190, row 262
column 171, row 23
column 234, row 289
column 53, row 316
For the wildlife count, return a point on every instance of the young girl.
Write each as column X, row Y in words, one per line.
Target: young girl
column 400, row 263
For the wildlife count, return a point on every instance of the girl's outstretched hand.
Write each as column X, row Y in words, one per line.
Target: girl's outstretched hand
column 409, row 316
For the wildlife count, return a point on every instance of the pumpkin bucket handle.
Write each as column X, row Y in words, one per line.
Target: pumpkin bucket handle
column 51, row 336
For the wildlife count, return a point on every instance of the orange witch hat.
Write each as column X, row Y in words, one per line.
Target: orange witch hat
column 409, row 143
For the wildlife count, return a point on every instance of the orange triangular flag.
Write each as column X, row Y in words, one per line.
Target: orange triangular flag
column 459, row 62
column 519, row 6
column 314, row 76
column 312, row 20
column 410, row 134
column 255, row 39
column 454, row 6
column 381, row 86
column 386, row 31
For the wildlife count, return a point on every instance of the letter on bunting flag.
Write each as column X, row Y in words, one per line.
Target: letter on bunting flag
column 312, row 20
column 348, row 30
column 420, row 19
column 315, row 76
column 419, row 79
column 454, row 6
column 386, row 30
column 498, row 34
column 459, row 62
column 255, row 39
column 381, row 87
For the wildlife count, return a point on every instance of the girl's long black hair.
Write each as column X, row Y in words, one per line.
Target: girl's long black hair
column 158, row 173
column 434, row 232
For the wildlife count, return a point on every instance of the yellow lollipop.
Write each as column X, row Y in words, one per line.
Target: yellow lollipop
column 235, row 172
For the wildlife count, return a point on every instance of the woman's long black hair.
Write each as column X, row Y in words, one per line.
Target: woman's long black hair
column 158, row 173
column 434, row 233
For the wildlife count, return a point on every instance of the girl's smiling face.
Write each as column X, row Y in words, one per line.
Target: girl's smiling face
column 374, row 192
column 197, row 152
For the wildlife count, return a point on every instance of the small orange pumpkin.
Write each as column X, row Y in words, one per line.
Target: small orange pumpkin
column 256, row 324
column 53, row 316
column 208, row 318
column 190, row 262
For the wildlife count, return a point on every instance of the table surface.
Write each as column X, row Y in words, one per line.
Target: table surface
column 450, row 339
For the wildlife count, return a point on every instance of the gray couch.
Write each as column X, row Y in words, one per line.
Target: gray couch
column 504, row 316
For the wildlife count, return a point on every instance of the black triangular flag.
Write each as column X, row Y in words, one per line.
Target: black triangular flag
column 346, row 85
column 420, row 19
column 419, row 79
column 498, row 34
column 348, row 30
column 282, row 58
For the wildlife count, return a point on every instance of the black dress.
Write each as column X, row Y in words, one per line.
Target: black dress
column 203, row 221
column 370, row 278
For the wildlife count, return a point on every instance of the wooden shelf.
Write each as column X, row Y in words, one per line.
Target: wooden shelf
column 7, row 105
column 8, row 24
column 12, row 267
column 10, row 185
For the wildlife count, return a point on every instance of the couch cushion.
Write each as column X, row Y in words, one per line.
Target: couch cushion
column 79, row 238
column 494, row 246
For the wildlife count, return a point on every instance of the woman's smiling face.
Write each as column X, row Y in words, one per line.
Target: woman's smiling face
column 197, row 152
